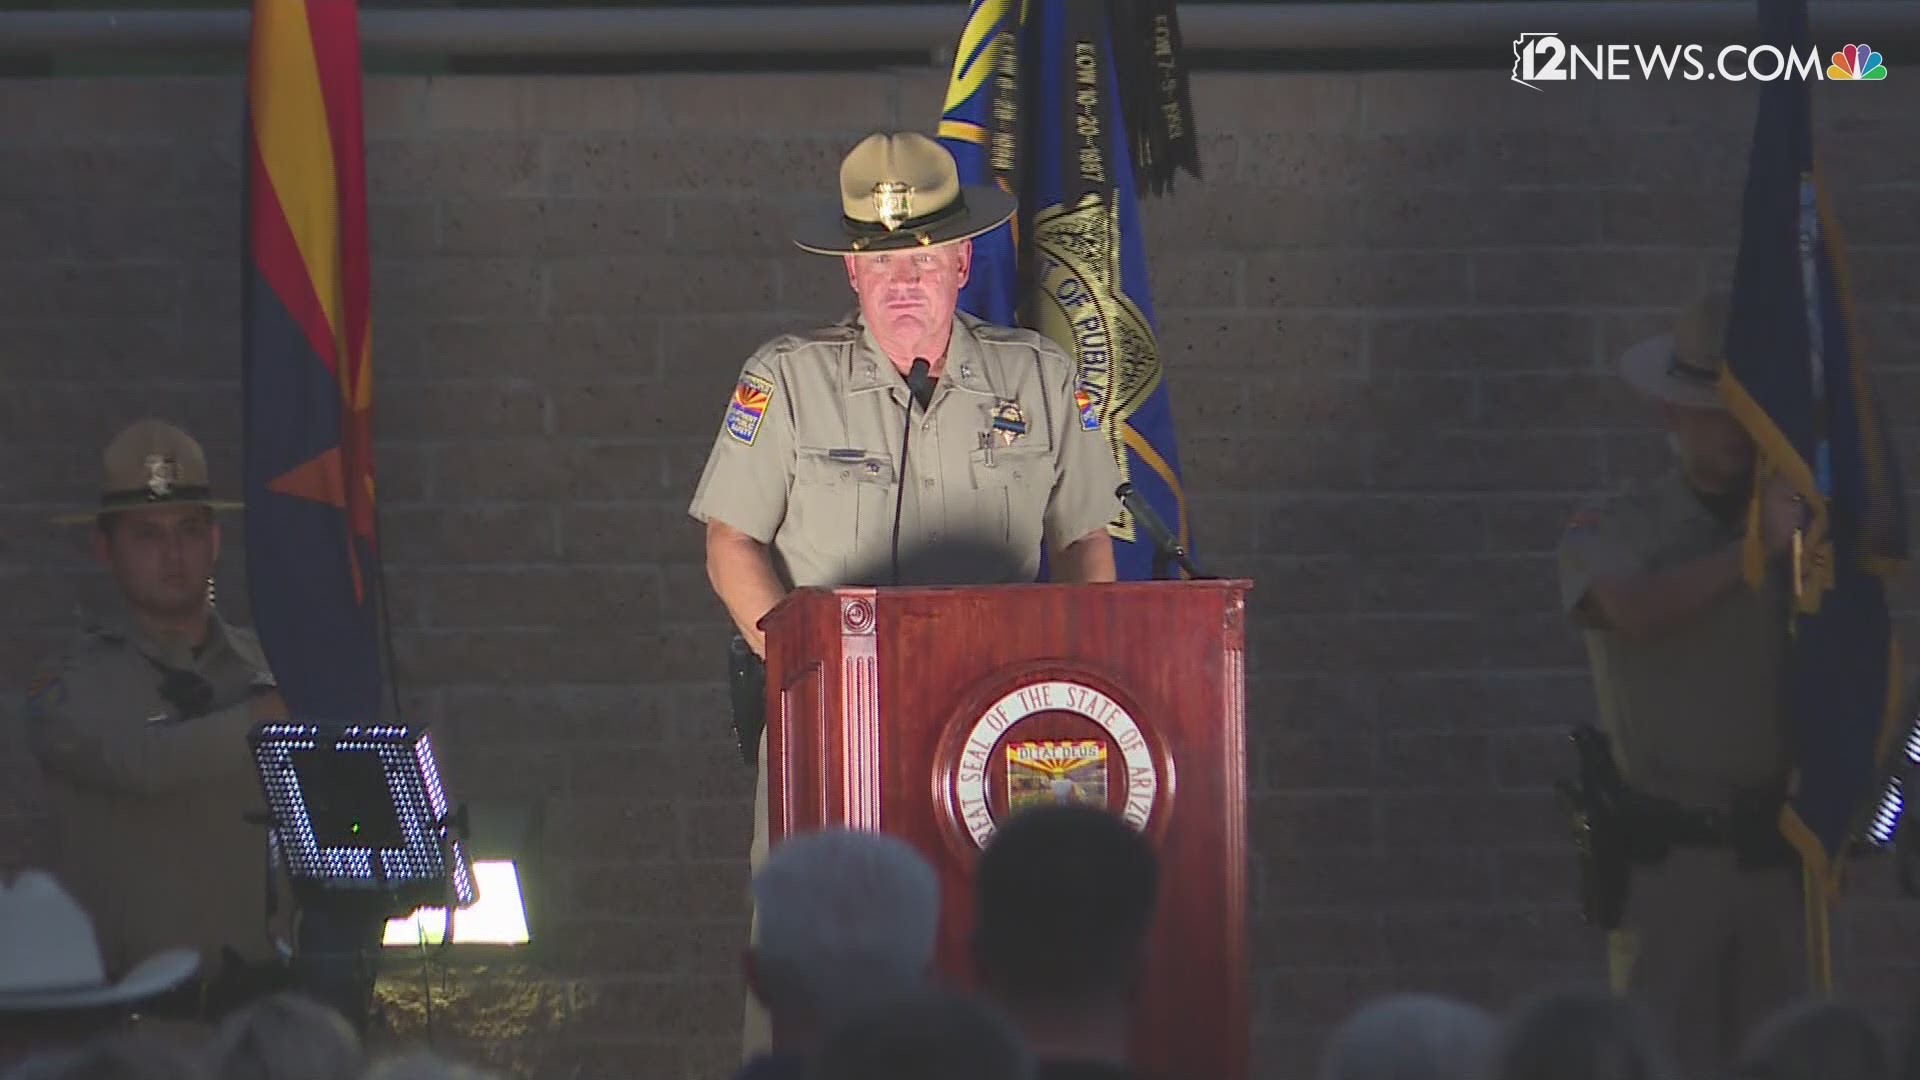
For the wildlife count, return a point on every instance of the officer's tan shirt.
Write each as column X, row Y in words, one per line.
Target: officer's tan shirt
column 150, row 809
column 1698, row 710
column 807, row 459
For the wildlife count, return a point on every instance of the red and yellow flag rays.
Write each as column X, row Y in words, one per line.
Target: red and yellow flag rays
column 309, row 235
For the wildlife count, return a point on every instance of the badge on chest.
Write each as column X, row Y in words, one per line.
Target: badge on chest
column 1009, row 423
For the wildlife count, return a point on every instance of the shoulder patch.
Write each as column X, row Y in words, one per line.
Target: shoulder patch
column 1087, row 402
column 751, row 396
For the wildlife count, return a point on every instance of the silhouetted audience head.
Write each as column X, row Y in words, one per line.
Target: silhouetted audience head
column 1578, row 1033
column 1410, row 1037
column 131, row 1055
column 1055, row 874
column 932, row 1033
column 1816, row 1039
column 846, row 919
column 285, row 1037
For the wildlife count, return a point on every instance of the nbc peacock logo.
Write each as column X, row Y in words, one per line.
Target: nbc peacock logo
column 1856, row 63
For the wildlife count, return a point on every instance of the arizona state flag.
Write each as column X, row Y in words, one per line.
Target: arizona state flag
column 1796, row 380
column 1071, row 105
column 312, row 553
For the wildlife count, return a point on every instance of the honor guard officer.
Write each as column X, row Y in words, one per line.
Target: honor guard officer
column 140, row 730
column 805, row 478
column 1689, row 664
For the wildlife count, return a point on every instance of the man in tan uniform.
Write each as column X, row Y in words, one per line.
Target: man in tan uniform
column 1689, row 665
column 140, row 729
column 801, row 486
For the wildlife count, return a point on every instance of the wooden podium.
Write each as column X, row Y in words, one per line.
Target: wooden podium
column 922, row 711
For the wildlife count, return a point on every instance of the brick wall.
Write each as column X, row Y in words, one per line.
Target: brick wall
column 1387, row 315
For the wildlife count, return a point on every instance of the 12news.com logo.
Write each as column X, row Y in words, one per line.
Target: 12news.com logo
column 1547, row 57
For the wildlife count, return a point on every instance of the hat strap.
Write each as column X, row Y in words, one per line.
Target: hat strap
column 865, row 231
column 120, row 500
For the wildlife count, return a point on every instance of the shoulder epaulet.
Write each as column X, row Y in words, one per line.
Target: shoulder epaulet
column 1047, row 348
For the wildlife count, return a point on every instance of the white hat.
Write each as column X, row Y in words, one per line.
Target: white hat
column 50, row 958
column 1682, row 366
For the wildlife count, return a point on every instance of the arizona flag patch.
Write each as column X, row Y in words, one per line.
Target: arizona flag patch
column 751, row 396
column 1089, row 406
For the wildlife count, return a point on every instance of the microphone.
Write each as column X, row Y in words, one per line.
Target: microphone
column 916, row 390
column 1166, row 546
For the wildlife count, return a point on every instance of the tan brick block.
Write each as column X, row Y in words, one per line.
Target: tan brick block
column 1373, row 525
column 1480, row 342
column 1213, row 404
column 1333, row 403
column 1442, row 939
column 1455, row 585
column 1886, row 335
column 1564, row 402
column 1873, row 158
column 402, row 229
column 699, row 344
column 634, row 166
column 628, row 532
column 1532, row 524
column 685, row 463
column 430, row 658
column 1530, row 760
column 1425, row 461
column 392, row 104
column 1420, row 159
column 109, row 107
column 1295, row 822
column 1358, row 279
column 1358, row 645
column 89, row 413
column 440, row 536
column 1669, row 216
column 523, row 470
column 628, row 286
column 529, row 597
column 1296, row 586
column 402, row 471
column 1222, row 526
column 1247, row 102
column 534, row 104
column 211, row 297
column 641, row 410
column 1517, row 642
column 1717, row 107
column 1243, row 217
column 1536, row 877
column 1471, row 820
column 455, row 410
column 1278, row 343
column 1435, row 762
column 1644, row 276
column 1300, row 159
column 1316, row 939
column 846, row 106
column 1467, row 101
column 644, row 658
column 1197, row 280
column 813, row 289
column 45, row 291
column 108, row 232
column 1538, row 218
column 560, row 227
column 1260, row 465
column 98, row 173
column 1331, row 760
column 406, row 601
column 1884, row 275
column 472, row 167
column 571, row 348
column 424, row 290
column 96, row 349
column 757, row 226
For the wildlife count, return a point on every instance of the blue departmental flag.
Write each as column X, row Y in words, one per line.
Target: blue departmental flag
column 1797, row 382
column 312, row 551
column 1073, row 105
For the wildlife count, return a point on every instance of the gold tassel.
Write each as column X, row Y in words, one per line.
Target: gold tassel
column 1819, row 939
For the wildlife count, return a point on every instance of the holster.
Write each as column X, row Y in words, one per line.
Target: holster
column 1596, row 805
column 1616, row 828
column 747, row 687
